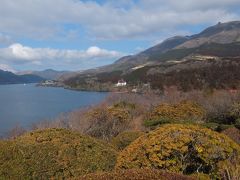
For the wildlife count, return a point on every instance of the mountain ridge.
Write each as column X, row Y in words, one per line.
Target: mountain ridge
column 216, row 49
column 221, row 33
column 7, row 77
column 50, row 74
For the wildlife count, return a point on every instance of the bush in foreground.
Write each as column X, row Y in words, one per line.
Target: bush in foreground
column 184, row 149
column 125, row 138
column 54, row 153
column 136, row 174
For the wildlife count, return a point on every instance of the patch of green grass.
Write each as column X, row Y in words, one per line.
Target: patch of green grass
column 123, row 139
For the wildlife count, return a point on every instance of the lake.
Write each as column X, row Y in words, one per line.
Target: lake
column 27, row 104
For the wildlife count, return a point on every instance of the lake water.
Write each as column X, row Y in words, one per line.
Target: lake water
column 27, row 104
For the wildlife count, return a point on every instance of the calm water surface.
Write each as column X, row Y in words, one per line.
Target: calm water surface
column 27, row 104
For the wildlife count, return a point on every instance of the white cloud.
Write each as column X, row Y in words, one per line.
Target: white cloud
column 125, row 19
column 19, row 55
column 6, row 67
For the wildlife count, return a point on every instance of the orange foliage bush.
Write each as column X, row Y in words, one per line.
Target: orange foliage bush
column 185, row 110
column 185, row 149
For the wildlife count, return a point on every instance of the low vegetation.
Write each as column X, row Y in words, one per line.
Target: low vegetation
column 136, row 174
column 123, row 139
column 106, row 120
column 54, row 153
column 176, row 113
column 126, row 121
column 233, row 133
column 183, row 149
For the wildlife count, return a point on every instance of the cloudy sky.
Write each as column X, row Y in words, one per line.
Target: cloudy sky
column 81, row 34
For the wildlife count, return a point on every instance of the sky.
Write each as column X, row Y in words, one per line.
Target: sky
column 82, row 34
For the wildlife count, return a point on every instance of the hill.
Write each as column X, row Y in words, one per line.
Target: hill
column 49, row 74
column 11, row 78
column 208, row 60
column 221, row 33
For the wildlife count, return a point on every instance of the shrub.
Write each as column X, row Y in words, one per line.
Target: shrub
column 153, row 123
column 237, row 123
column 223, row 127
column 107, row 122
column 136, row 174
column 166, row 113
column 185, row 149
column 227, row 114
column 54, row 153
column 231, row 170
column 125, row 138
column 233, row 133
column 235, row 111
column 212, row 126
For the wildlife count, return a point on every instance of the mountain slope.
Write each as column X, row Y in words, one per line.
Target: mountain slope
column 191, row 62
column 222, row 33
column 46, row 74
column 10, row 78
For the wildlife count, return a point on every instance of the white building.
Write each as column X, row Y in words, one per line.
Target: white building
column 121, row 83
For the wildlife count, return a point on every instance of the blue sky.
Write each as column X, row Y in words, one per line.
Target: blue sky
column 77, row 35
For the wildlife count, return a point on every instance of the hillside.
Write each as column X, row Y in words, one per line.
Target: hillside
column 208, row 60
column 46, row 74
column 11, row 78
column 222, row 33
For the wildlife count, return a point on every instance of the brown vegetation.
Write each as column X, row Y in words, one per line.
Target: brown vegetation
column 136, row 174
column 233, row 133
column 103, row 122
column 15, row 132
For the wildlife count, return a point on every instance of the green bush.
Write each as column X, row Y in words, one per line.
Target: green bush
column 154, row 123
column 237, row 123
column 223, row 127
column 54, row 153
column 212, row 126
column 125, row 138
column 136, row 174
column 179, row 148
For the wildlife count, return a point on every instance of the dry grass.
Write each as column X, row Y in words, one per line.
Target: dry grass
column 136, row 174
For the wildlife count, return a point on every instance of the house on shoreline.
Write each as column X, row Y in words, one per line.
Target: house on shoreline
column 121, row 83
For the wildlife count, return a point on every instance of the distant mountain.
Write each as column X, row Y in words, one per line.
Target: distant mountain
column 11, row 78
column 199, row 60
column 46, row 74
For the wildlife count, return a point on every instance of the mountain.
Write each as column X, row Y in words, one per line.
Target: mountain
column 222, row 33
column 210, row 59
column 11, row 78
column 46, row 74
